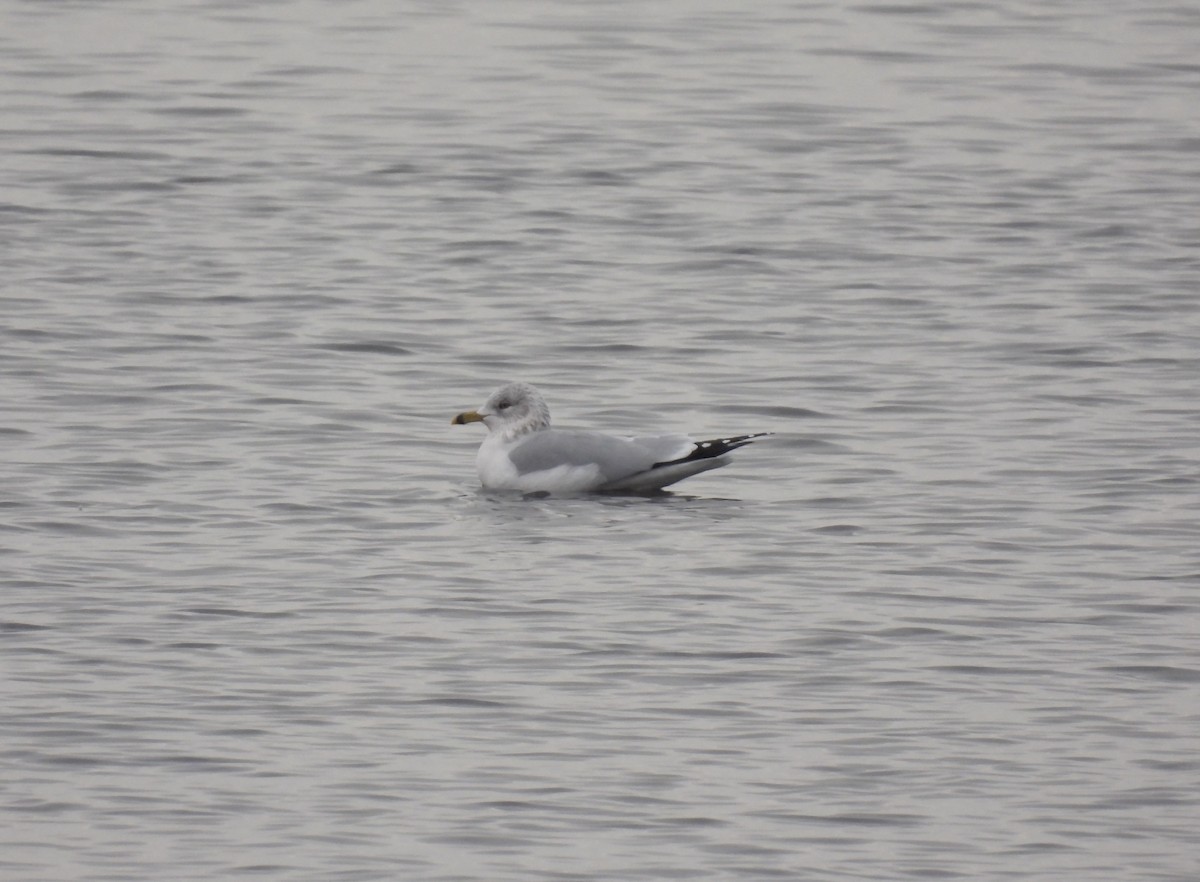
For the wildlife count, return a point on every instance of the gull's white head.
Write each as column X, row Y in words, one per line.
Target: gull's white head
column 513, row 409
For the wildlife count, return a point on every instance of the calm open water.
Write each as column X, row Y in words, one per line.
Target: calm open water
column 257, row 621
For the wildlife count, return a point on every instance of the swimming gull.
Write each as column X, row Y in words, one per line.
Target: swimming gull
column 521, row 451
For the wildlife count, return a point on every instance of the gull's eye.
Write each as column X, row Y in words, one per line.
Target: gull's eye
column 503, row 405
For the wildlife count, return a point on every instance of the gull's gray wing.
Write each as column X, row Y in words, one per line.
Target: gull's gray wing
column 615, row 458
column 699, row 456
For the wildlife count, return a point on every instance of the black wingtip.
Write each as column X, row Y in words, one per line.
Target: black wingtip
column 716, row 447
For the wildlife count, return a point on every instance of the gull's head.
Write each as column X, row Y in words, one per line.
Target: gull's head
column 513, row 409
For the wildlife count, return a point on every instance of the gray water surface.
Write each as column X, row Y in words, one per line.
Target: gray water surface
column 257, row 620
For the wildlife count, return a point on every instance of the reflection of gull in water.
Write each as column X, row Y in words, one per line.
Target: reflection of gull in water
column 521, row 451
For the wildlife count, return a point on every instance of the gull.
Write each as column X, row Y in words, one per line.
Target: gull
column 522, row 452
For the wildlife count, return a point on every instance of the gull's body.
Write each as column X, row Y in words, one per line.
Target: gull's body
column 522, row 452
